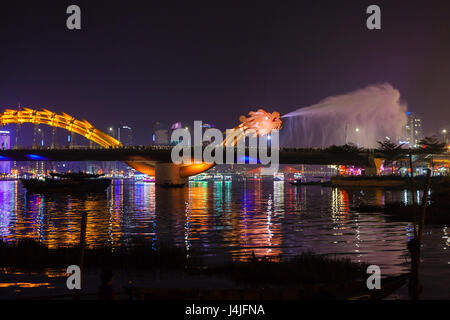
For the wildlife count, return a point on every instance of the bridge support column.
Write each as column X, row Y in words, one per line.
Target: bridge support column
column 168, row 175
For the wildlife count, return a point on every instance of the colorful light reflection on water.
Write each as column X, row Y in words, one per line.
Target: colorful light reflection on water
column 226, row 219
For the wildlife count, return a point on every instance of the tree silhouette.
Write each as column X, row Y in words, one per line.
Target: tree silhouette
column 431, row 146
column 346, row 148
column 391, row 151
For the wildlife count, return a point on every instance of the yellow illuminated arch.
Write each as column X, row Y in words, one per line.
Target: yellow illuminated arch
column 64, row 121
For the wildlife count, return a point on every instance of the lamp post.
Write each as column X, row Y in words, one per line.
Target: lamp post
column 444, row 133
column 357, row 136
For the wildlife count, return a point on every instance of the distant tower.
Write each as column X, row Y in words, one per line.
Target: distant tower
column 413, row 130
column 160, row 134
column 125, row 135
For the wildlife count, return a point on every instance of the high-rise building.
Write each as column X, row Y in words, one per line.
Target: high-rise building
column 125, row 135
column 160, row 134
column 412, row 131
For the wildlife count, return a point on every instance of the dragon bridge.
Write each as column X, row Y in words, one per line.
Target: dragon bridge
column 258, row 122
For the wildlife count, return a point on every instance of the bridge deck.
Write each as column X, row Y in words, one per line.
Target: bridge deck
column 163, row 154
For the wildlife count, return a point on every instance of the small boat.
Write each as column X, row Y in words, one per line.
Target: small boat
column 278, row 177
column 310, row 183
column 143, row 178
column 67, row 183
column 200, row 177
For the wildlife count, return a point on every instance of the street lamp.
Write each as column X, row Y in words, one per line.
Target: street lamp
column 357, row 136
column 444, row 133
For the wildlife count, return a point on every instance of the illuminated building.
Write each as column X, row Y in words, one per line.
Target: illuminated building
column 160, row 134
column 412, row 131
column 173, row 127
column 5, row 166
column 125, row 135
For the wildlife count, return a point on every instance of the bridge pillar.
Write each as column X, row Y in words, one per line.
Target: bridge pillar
column 168, row 175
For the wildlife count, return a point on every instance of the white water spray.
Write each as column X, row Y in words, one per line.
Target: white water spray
column 362, row 117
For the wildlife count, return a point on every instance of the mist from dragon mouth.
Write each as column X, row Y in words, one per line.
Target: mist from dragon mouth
column 362, row 117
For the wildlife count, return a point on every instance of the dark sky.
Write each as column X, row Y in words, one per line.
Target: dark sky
column 138, row 62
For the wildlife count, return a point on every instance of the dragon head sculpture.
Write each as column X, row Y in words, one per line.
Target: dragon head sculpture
column 261, row 121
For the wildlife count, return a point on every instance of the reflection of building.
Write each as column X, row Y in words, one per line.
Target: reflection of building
column 5, row 166
column 413, row 131
column 125, row 135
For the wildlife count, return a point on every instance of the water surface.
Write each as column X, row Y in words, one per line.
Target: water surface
column 230, row 220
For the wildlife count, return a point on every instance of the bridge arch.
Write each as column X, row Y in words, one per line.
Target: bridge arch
column 64, row 121
column 71, row 124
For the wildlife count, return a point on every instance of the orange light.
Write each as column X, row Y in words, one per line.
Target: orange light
column 63, row 121
column 194, row 169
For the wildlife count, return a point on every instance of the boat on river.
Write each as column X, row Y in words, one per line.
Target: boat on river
column 299, row 182
column 67, row 183
column 309, row 183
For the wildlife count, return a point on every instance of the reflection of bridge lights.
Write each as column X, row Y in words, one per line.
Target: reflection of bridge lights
column 446, row 237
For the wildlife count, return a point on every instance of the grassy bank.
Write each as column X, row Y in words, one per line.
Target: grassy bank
column 307, row 268
column 390, row 181
column 33, row 255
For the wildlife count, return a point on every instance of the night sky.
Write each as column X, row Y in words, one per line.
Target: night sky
column 136, row 62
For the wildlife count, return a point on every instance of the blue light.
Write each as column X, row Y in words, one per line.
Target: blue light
column 3, row 158
column 247, row 159
column 35, row 157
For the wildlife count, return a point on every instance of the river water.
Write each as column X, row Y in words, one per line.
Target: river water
column 230, row 220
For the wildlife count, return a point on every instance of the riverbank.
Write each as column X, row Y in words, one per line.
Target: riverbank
column 383, row 181
column 314, row 275
column 438, row 208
